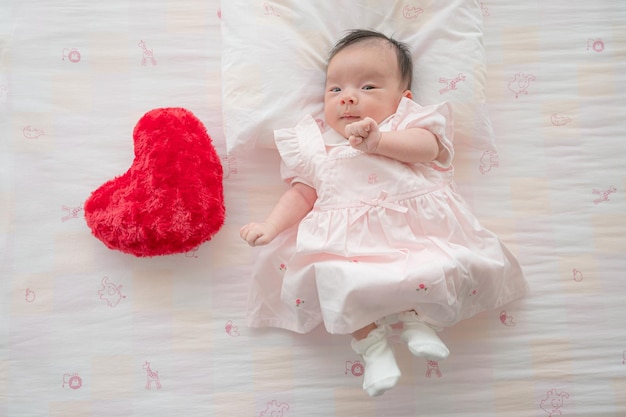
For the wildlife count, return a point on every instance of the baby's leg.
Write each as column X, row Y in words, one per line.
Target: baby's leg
column 381, row 370
column 421, row 339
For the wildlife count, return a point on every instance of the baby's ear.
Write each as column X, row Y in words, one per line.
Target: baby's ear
column 407, row 94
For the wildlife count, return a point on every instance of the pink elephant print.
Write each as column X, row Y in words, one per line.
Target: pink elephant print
column 520, row 83
column 275, row 410
column 553, row 402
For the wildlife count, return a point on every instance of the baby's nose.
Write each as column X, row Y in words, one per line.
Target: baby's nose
column 348, row 99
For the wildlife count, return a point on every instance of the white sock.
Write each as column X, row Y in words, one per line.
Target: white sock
column 421, row 339
column 381, row 370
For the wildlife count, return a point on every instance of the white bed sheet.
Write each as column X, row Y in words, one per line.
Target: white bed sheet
column 80, row 324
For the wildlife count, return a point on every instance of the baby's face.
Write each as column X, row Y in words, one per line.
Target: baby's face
column 362, row 80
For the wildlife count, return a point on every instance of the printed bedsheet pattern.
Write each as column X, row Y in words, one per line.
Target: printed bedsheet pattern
column 86, row 331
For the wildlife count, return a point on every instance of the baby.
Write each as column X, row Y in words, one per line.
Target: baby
column 372, row 225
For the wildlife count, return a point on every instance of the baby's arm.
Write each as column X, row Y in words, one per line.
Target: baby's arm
column 292, row 206
column 409, row 145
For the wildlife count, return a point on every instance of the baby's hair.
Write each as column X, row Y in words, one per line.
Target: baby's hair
column 405, row 64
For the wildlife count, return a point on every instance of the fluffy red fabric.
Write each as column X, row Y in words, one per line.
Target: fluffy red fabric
column 171, row 199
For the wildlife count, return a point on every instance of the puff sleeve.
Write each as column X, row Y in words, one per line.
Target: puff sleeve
column 435, row 118
column 298, row 149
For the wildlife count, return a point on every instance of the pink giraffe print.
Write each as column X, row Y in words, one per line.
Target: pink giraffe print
column 148, row 54
column 152, row 376
column 433, row 367
column 604, row 194
column 451, row 83
column 72, row 212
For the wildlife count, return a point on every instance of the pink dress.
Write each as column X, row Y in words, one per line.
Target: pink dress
column 383, row 237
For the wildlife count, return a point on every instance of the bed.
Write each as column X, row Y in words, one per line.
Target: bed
column 89, row 331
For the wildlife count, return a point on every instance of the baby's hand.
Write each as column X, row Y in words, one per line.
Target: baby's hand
column 257, row 234
column 364, row 135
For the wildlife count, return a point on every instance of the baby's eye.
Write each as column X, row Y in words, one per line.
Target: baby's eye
column 334, row 89
column 368, row 87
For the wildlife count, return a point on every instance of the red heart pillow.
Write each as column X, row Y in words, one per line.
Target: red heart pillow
column 171, row 199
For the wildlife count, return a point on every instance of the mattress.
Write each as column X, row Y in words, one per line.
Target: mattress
column 90, row 331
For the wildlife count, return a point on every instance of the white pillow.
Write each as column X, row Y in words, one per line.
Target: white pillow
column 274, row 60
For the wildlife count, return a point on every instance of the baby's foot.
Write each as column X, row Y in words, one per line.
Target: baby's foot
column 421, row 339
column 381, row 370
